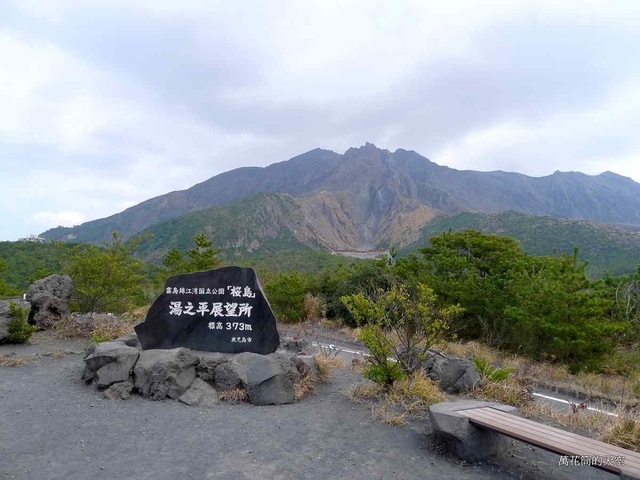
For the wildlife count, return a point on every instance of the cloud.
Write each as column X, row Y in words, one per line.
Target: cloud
column 65, row 219
column 108, row 103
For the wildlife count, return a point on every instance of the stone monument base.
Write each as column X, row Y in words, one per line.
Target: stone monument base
column 121, row 368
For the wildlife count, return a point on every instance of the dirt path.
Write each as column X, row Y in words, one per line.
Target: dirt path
column 52, row 426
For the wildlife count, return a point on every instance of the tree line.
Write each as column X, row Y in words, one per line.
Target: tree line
column 479, row 286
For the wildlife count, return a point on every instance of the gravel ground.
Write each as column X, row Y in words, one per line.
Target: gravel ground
column 53, row 426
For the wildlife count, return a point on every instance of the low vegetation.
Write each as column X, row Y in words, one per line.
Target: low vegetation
column 409, row 397
column 19, row 331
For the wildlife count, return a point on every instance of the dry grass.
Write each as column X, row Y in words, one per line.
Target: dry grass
column 410, row 397
column 364, row 392
column 233, row 395
column 105, row 327
column 118, row 327
column 327, row 364
column 137, row 314
column 415, row 394
column 390, row 415
column 610, row 386
column 305, row 387
column 58, row 353
column 623, row 431
column 351, row 333
column 315, row 307
column 12, row 361
column 588, row 420
column 511, row 391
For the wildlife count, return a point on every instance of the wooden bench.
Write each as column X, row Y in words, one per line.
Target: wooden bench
column 598, row 454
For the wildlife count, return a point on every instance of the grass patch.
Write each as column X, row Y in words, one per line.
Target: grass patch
column 103, row 328
column 12, row 361
column 305, row 387
column 623, row 431
column 233, row 395
column 410, row 397
column 327, row 364
column 610, row 384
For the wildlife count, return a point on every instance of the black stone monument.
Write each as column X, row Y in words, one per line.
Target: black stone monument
column 221, row 310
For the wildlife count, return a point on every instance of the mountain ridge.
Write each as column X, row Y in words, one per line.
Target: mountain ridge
column 370, row 197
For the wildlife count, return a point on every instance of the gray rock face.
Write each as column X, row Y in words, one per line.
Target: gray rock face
column 452, row 373
column 267, row 379
column 454, row 431
column 121, row 366
column 49, row 300
column 206, row 369
column 5, row 318
column 110, row 362
column 165, row 373
column 130, row 340
column 200, row 393
column 305, row 364
column 227, row 377
column 119, row 391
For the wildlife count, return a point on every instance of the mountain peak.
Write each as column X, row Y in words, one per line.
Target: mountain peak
column 367, row 148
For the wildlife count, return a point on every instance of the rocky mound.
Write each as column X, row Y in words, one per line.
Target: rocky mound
column 121, row 368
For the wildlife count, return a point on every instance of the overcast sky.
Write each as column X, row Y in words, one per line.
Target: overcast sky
column 104, row 106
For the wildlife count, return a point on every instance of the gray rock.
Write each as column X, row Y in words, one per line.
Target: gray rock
column 226, row 377
column 469, row 442
column 119, row 391
column 165, row 373
column 206, row 369
column 268, row 379
column 200, row 393
column 130, row 340
column 452, row 373
column 305, row 364
column 49, row 299
column 5, row 318
column 110, row 362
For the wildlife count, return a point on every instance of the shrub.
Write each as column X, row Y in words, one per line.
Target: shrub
column 286, row 293
column 398, row 328
column 19, row 331
column 491, row 373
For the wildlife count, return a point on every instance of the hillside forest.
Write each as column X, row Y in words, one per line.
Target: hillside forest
column 544, row 307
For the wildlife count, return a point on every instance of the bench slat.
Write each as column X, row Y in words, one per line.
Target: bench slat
column 551, row 438
column 632, row 459
column 528, row 425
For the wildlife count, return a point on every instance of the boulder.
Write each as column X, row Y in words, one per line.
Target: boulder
column 119, row 391
column 227, row 377
column 200, row 393
column 109, row 362
column 130, row 340
column 305, row 364
column 452, row 373
column 5, row 318
column 165, row 373
column 206, row 369
column 454, row 431
column 49, row 299
column 268, row 379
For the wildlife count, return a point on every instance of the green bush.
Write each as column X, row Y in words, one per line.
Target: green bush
column 19, row 330
column 489, row 372
column 398, row 327
column 286, row 293
column 384, row 374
